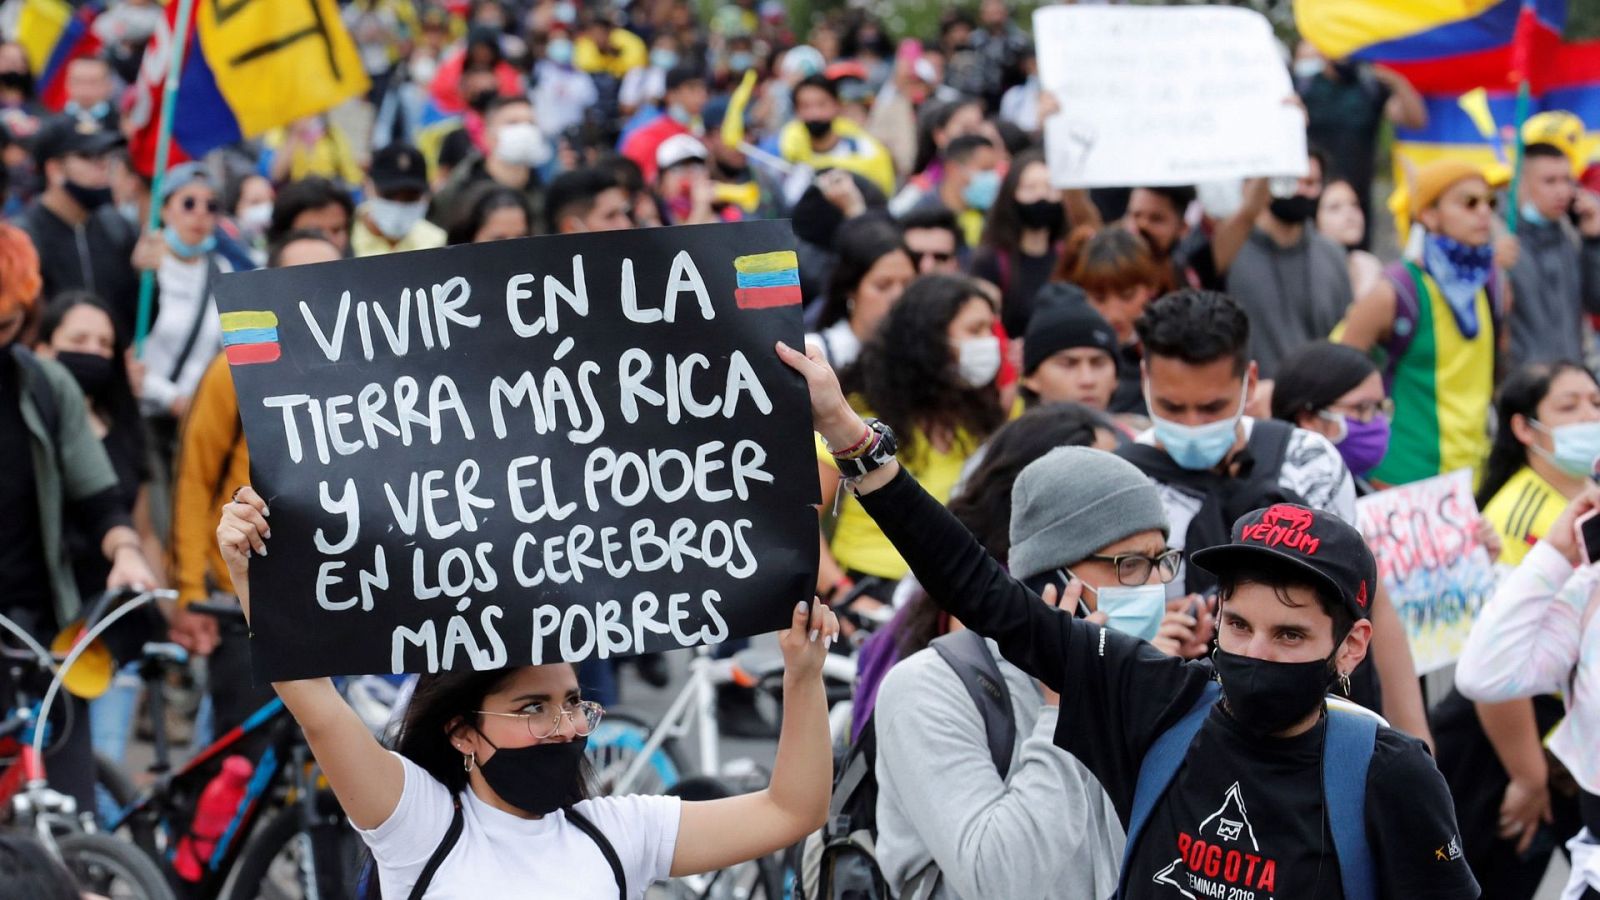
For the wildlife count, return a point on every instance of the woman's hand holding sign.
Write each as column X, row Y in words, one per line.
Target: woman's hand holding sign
column 831, row 414
column 243, row 532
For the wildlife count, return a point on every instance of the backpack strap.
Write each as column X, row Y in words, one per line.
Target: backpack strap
column 1269, row 445
column 446, row 844
column 1406, row 279
column 856, row 769
column 966, row 652
column 38, row 387
column 610, row 852
column 202, row 315
column 1346, row 753
column 1161, row 762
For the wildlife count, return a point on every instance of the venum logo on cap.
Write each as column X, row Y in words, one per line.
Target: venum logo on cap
column 1361, row 594
column 1284, row 526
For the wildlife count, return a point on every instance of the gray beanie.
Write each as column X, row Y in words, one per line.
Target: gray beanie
column 1071, row 502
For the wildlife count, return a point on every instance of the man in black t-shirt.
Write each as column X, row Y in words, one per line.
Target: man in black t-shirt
column 1245, row 815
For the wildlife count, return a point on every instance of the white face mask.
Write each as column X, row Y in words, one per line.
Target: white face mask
column 522, row 144
column 979, row 360
column 393, row 218
column 255, row 218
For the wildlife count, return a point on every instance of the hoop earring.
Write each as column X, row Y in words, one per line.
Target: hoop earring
column 468, row 760
column 1344, row 683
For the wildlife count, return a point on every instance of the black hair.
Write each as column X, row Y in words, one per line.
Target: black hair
column 302, row 196
column 1180, row 196
column 627, row 172
column 502, row 101
column 1003, row 230
column 860, row 243
column 1544, row 151
column 1280, row 578
column 118, row 405
column 1196, row 327
column 232, row 189
column 934, row 215
column 275, row 250
column 30, row 872
column 906, row 374
column 820, row 82
column 573, row 194
column 1323, row 163
column 1316, row 376
column 456, row 146
column 961, row 149
column 1519, row 395
column 478, row 203
column 934, row 117
column 984, row 504
column 1013, row 138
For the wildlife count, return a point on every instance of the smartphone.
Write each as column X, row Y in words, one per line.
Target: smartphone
column 1589, row 533
column 909, row 51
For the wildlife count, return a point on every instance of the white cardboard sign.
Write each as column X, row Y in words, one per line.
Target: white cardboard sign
column 1162, row 95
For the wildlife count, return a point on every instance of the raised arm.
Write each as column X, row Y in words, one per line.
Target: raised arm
column 959, row 575
column 365, row 777
column 715, row 834
column 1370, row 318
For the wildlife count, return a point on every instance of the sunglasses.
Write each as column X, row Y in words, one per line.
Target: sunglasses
column 1474, row 201
column 189, row 204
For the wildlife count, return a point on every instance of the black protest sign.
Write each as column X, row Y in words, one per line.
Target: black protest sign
column 527, row 451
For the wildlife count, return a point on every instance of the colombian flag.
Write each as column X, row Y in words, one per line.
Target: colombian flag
column 52, row 33
column 250, row 337
column 249, row 66
column 1448, row 48
column 766, row 280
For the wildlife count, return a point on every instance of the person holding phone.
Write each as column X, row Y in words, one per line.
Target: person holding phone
column 1557, row 275
column 1540, row 634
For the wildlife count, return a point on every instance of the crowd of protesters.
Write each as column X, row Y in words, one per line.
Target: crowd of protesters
column 1025, row 397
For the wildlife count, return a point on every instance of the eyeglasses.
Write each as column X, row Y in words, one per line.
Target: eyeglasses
column 189, row 204
column 543, row 723
column 1366, row 412
column 1133, row 569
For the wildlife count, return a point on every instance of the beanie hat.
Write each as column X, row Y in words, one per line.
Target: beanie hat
column 1435, row 178
column 1063, row 326
column 1072, row 501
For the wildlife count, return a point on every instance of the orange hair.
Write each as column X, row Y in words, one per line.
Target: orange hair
column 19, row 271
column 1108, row 260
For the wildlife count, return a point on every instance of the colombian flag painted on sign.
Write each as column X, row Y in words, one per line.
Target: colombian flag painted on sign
column 250, row 337
column 53, row 33
column 249, row 66
column 1448, row 48
column 766, row 280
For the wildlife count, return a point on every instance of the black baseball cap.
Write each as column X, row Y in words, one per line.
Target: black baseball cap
column 399, row 167
column 73, row 135
column 1311, row 542
column 1062, row 321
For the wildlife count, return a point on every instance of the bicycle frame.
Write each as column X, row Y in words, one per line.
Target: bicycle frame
column 26, row 794
column 695, row 707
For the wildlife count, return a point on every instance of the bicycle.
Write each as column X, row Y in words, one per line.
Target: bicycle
column 99, row 863
column 631, row 756
column 287, row 837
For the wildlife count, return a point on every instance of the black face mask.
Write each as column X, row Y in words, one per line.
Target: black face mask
column 17, row 81
column 1041, row 214
column 1267, row 697
column 89, row 198
column 479, row 102
column 538, row 779
column 92, row 371
column 818, row 129
column 1293, row 210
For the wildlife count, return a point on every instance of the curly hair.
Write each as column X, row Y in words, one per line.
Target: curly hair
column 907, row 375
column 19, row 271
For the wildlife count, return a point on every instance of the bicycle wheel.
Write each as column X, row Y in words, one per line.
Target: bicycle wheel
column 618, row 741
column 104, row 865
column 274, row 866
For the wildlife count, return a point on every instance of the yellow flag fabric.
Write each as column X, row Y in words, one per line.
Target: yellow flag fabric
column 276, row 61
column 1338, row 28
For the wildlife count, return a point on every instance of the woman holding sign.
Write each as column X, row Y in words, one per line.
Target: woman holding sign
column 485, row 793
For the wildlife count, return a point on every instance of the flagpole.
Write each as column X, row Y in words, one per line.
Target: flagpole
column 1521, row 64
column 179, row 42
column 1524, row 100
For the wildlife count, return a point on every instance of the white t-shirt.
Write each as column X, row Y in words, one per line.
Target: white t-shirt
column 838, row 343
column 501, row 855
column 181, row 284
column 1312, row 468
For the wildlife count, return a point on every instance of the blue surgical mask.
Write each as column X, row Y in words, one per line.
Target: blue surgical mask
column 1197, row 447
column 1135, row 610
column 559, row 52
column 981, row 191
column 665, row 60
column 1532, row 216
column 741, row 60
column 679, row 114
column 1577, row 446
column 185, row 250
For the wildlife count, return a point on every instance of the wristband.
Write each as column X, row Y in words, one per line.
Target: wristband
column 859, row 448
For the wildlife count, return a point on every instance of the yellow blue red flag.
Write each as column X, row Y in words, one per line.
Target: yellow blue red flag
column 53, row 33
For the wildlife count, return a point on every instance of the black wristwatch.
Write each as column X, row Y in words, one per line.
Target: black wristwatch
column 883, row 448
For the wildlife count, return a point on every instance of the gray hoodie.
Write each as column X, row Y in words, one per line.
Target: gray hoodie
column 1048, row 830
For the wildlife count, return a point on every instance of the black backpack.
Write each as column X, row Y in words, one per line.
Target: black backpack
column 840, row 861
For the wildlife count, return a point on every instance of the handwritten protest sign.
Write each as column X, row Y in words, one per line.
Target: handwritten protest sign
column 525, row 451
column 1438, row 575
column 1160, row 95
